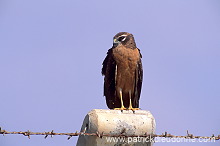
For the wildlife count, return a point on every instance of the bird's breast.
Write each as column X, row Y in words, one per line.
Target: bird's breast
column 126, row 61
column 126, row 58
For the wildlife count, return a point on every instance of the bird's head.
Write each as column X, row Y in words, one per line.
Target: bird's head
column 124, row 38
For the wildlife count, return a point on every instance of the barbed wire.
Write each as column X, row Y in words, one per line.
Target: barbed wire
column 52, row 133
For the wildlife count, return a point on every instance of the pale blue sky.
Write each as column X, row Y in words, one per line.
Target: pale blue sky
column 51, row 55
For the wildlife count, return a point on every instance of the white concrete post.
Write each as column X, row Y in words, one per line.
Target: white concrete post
column 117, row 122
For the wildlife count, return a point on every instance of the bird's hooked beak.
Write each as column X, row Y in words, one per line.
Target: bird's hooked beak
column 115, row 42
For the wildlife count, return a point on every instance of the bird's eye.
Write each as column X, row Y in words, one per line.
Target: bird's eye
column 122, row 38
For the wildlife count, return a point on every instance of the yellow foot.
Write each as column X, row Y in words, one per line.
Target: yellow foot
column 133, row 109
column 122, row 108
column 130, row 104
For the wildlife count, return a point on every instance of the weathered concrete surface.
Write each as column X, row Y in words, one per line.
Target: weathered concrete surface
column 117, row 122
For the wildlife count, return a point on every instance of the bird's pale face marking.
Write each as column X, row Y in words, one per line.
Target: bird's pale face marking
column 122, row 38
column 119, row 39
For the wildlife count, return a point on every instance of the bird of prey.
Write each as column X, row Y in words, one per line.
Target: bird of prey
column 123, row 73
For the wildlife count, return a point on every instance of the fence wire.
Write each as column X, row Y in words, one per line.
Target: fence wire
column 98, row 134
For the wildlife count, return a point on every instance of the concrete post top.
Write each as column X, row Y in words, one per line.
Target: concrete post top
column 105, row 120
column 110, row 111
column 123, row 113
column 115, row 122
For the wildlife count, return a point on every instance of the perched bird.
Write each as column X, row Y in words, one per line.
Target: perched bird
column 123, row 74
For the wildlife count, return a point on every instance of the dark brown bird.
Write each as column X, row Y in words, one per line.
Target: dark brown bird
column 123, row 73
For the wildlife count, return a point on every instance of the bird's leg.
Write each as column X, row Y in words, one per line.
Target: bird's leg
column 122, row 104
column 130, row 104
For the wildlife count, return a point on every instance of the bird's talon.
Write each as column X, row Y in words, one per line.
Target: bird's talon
column 122, row 108
column 133, row 109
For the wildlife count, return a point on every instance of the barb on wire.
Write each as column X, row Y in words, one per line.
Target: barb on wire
column 100, row 135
